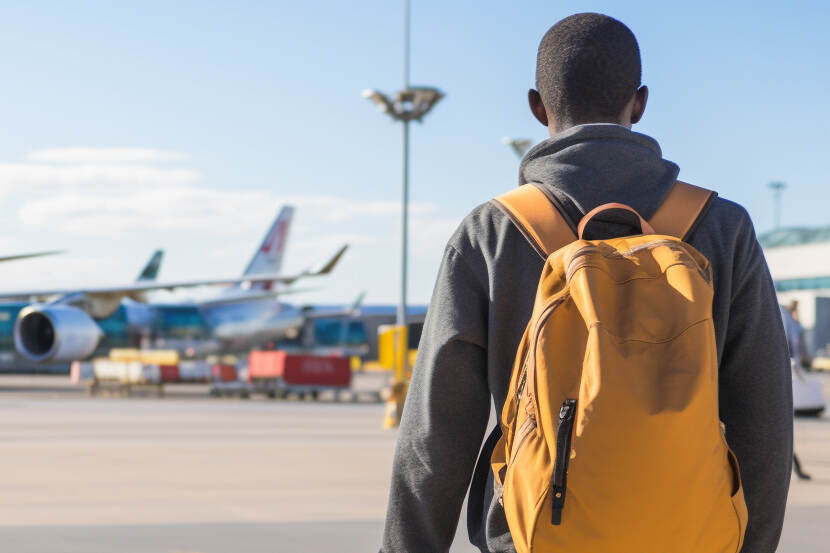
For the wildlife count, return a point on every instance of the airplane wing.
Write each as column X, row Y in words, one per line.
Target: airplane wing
column 326, row 313
column 329, row 266
column 27, row 255
column 134, row 290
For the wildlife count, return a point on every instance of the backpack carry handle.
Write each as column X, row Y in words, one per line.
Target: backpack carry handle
column 645, row 227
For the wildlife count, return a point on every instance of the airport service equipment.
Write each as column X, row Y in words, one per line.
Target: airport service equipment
column 277, row 373
column 81, row 372
column 169, row 373
column 132, row 372
column 194, row 371
column 165, row 361
column 224, row 372
column 226, row 381
column 123, row 377
column 145, row 356
column 126, row 369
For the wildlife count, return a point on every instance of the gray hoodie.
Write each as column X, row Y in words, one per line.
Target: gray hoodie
column 481, row 304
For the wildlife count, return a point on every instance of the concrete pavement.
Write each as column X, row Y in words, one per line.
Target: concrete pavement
column 187, row 474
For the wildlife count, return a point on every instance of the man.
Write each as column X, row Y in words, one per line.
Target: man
column 589, row 95
column 795, row 340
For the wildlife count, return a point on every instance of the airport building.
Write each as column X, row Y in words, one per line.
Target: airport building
column 799, row 261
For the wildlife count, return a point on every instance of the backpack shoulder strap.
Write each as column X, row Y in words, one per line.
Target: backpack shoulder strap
column 529, row 208
column 547, row 230
column 682, row 210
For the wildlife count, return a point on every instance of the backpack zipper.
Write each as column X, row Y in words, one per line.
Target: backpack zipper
column 521, row 387
column 524, row 431
column 563, row 450
column 530, row 362
column 577, row 263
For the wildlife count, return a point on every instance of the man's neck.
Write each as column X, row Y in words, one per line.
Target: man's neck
column 555, row 128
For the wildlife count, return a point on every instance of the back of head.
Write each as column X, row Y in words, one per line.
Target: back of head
column 588, row 68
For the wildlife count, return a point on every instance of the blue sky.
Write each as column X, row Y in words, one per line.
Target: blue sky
column 226, row 110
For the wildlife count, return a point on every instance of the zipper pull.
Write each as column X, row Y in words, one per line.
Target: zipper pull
column 558, row 505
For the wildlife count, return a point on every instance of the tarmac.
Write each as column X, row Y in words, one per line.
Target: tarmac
column 192, row 474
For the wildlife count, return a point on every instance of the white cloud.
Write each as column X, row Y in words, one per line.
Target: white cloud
column 89, row 177
column 337, row 209
column 190, row 208
column 91, row 194
column 10, row 245
column 328, row 244
column 155, row 209
column 104, row 155
column 429, row 236
column 66, row 272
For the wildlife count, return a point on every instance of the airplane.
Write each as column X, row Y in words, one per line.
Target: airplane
column 10, row 309
column 66, row 325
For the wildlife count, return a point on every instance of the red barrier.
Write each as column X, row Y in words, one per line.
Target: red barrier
column 306, row 370
column 169, row 373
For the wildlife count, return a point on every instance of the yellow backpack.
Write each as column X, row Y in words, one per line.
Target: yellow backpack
column 611, row 440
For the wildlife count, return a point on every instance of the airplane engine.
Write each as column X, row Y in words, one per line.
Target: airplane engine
column 57, row 333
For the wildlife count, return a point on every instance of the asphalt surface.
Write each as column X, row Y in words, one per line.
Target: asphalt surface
column 192, row 474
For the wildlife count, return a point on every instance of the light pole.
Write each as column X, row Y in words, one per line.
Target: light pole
column 518, row 145
column 411, row 103
column 777, row 188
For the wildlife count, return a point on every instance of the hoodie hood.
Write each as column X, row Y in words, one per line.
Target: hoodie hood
column 590, row 165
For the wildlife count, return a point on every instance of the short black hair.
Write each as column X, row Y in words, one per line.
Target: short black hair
column 588, row 66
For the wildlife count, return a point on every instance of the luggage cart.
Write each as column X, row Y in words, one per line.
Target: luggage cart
column 124, row 377
column 278, row 374
column 225, row 381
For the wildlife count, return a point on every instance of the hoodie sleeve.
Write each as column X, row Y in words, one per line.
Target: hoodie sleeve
column 444, row 418
column 756, row 394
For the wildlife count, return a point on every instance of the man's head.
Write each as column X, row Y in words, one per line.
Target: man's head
column 588, row 71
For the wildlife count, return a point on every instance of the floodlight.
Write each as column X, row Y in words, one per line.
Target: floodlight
column 409, row 104
column 518, row 145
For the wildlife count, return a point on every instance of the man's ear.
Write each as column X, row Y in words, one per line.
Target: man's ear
column 536, row 106
column 640, row 100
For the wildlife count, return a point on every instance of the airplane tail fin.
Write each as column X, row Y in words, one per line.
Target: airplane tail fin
column 268, row 257
column 358, row 303
column 151, row 270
